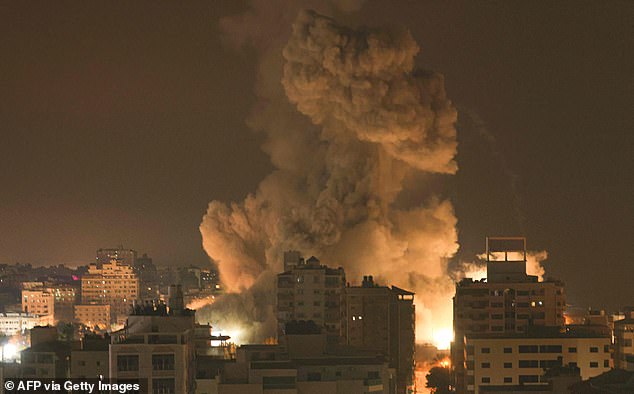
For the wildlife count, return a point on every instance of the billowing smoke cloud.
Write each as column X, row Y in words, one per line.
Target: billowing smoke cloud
column 371, row 119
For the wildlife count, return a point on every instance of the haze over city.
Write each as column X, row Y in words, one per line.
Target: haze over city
column 378, row 143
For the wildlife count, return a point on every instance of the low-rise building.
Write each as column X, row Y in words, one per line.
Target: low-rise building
column 16, row 323
column 47, row 358
column 522, row 359
column 92, row 359
column 96, row 317
column 305, row 364
column 157, row 345
column 39, row 301
column 624, row 344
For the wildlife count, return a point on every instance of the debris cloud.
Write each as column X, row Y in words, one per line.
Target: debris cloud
column 349, row 118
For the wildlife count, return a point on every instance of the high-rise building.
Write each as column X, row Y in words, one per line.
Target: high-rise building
column 148, row 278
column 381, row 319
column 114, row 284
column 507, row 301
column 311, row 291
column 121, row 255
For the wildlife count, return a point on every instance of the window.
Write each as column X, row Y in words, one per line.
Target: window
column 572, row 350
column 508, row 365
column 529, row 379
column 528, row 364
column 486, row 350
column 278, row 382
column 508, row 350
column 606, row 363
column 606, row 348
column 163, row 386
column 163, row 362
column 594, row 349
column 496, row 316
column 485, row 365
column 550, row 349
column 486, row 379
column 528, row 348
column 549, row 363
column 572, row 364
column 127, row 363
column 594, row 364
column 508, row 379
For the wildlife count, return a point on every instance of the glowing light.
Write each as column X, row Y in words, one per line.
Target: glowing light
column 9, row 351
column 443, row 338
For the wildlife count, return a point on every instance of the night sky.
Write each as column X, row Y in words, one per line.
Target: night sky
column 119, row 124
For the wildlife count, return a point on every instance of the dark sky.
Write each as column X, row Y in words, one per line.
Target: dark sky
column 119, row 124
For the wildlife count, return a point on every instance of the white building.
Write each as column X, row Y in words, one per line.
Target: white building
column 14, row 323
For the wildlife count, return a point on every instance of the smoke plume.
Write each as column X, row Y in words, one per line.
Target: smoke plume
column 350, row 121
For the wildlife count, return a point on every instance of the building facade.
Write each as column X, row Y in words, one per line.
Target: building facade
column 507, row 360
column 123, row 256
column 39, row 301
column 382, row 319
column 507, row 301
column 96, row 317
column 311, row 291
column 159, row 346
column 113, row 284
column 15, row 323
column 624, row 344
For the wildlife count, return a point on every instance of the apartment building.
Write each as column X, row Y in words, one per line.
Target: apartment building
column 91, row 360
column 306, row 364
column 508, row 301
column 39, row 301
column 15, row 323
column 381, row 319
column 114, row 284
column 311, row 291
column 95, row 317
column 507, row 360
column 158, row 346
column 624, row 344
column 47, row 358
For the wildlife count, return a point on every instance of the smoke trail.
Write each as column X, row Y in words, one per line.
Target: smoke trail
column 374, row 119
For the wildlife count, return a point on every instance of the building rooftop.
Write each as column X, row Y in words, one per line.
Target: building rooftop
column 543, row 332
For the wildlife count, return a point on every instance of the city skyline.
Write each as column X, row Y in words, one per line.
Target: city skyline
column 109, row 141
